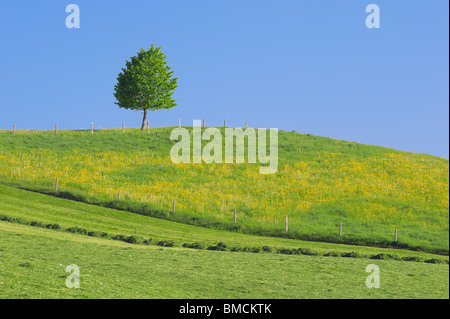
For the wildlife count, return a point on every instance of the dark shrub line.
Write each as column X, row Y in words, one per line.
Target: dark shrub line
column 220, row 246
column 194, row 245
column 75, row 230
column 166, row 243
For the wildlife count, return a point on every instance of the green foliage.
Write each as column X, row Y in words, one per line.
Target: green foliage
column 36, row 224
column 352, row 255
column 333, row 254
column 129, row 239
column 308, row 252
column 220, row 247
column 77, row 230
column 146, row 83
column 435, row 261
column 386, row 257
column 97, row 234
column 194, row 245
column 53, row 226
column 267, row 249
column 166, row 243
column 286, row 251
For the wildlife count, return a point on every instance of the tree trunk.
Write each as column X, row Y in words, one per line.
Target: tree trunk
column 144, row 120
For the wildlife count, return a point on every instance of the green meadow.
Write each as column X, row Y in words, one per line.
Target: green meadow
column 34, row 255
column 60, row 215
column 320, row 183
column 136, row 246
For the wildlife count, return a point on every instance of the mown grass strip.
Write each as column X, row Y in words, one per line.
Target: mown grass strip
column 219, row 247
column 33, row 262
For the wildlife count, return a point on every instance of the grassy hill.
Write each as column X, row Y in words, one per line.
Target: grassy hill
column 41, row 235
column 320, row 183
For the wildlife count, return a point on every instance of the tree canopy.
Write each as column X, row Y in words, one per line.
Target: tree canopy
column 146, row 83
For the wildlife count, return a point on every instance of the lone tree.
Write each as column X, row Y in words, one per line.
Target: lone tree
column 146, row 83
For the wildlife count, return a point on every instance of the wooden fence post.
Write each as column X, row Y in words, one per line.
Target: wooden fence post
column 56, row 128
column 14, row 129
column 179, row 122
column 148, row 126
column 287, row 228
column 246, row 124
column 118, row 196
column 123, row 127
column 204, row 123
column 235, row 216
column 56, row 185
column 92, row 128
column 340, row 230
column 174, row 206
column 225, row 123
column 395, row 236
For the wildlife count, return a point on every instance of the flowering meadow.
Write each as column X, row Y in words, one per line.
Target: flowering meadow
column 320, row 183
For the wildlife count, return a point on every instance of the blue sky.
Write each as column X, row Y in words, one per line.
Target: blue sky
column 309, row 66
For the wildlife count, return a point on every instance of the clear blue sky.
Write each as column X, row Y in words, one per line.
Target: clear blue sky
column 310, row 66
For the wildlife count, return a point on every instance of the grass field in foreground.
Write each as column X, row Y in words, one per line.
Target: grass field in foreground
column 320, row 183
column 33, row 263
column 33, row 260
